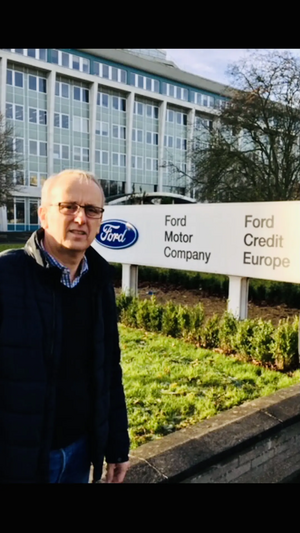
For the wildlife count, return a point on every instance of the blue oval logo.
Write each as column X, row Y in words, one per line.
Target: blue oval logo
column 117, row 234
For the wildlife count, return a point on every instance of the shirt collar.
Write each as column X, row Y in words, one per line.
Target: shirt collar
column 65, row 271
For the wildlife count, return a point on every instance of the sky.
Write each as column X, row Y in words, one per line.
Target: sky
column 209, row 63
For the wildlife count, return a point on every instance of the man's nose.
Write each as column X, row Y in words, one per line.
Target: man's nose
column 80, row 216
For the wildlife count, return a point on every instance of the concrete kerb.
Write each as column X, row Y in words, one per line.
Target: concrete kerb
column 190, row 451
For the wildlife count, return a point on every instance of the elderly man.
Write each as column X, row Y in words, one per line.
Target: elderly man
column 62, row 404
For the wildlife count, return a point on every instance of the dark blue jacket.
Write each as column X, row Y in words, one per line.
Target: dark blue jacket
column 30, row 346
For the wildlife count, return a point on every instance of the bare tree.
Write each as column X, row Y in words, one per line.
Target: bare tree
column 10, row 161
column 252, row 152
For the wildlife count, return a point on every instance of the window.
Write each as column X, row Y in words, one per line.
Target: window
column 36, row 53
column 168, row 141
column 119, row 103
column 15, row 111
column 143, row 82
column 37, row 116
column 72, row 61
column 151, row 137
column 137, row 162
column 138, row 108
column 181, row 118
column 37, row 179
column 137, row 135
column 37, row 83
column 110, row 73
column 81, row 94
column 38, row 148
column 19, row 145
column 118, row 160
column 118, row 132
column 170, row 115
column 175, row 91
column 61, row 121
column 81, row 154
column 181, row 144
column 61, row 151
column 101, row 128
column 81, row 124
column 151, row 164
column 14, row 77
column 62, row 89
column 101, row 157
column 102, row 99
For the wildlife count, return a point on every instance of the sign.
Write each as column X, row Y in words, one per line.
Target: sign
column 253, row 240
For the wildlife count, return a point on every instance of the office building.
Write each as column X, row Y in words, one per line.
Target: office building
column 123, row 114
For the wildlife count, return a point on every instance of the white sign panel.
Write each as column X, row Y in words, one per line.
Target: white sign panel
column 254, row 240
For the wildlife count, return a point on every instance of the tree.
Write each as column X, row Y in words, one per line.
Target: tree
column 252, row 152
column 10, row 162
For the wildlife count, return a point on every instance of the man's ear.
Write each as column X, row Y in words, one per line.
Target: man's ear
column 42, row 212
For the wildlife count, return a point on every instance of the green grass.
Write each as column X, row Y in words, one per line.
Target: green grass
column 8, row 246
column 170, row 384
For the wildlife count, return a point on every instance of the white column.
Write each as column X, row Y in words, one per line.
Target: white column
column 129, row 124
column 130, row 279
column 3, row 218
column 50, row 121
column 238, row 297
column 92, row 114
column 3, row 66
column 190, row 137
column 161, row 134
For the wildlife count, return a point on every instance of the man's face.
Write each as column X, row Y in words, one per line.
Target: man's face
column 75, row 232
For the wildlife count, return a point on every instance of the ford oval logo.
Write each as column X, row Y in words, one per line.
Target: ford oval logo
column 117, row 234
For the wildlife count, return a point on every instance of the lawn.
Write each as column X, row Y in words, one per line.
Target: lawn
column 170, row 384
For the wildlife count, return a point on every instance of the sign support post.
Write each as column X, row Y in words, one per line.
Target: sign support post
column 238, row 297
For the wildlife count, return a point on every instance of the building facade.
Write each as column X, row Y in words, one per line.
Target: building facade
column 127, row 115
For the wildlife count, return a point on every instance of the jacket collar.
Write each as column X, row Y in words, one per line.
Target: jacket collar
column 100, row 269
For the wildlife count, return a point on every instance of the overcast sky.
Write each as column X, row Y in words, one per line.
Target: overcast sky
column 209, row 63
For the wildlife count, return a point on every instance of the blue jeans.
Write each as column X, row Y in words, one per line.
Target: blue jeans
column 71, row 464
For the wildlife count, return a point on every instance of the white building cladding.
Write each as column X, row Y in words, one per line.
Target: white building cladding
column 121, row 114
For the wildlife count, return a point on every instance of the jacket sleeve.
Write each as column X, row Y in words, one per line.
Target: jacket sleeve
column 117, row 448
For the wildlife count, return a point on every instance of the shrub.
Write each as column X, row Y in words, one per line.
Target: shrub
column 285, row 348
column 210, row 332
column 129, row 314
column 227, row 331
column 197, row 316
column 262, row 342
column 170, row 323
column 243, row 338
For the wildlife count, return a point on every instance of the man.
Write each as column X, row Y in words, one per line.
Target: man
column 62, row 404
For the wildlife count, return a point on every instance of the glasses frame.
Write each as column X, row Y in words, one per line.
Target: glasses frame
column 78, row 206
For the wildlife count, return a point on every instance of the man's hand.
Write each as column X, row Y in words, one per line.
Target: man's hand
column 116, row 472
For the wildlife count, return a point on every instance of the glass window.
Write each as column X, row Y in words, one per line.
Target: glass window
column 65, row 59
column 75, row 62
column 9, row 77
column 54, row 56
column 105, row 100
column 170, row 115
column 139, row 162
column 105, row 73
column 57, row 88
column 18, row 79
column 163, row 89
column 122, row 104
column 9, row 111
column 123, row 76
column 149, row 137
column 170, row 141
column 140, row 82
column 65, row 90
column 43, row 149
column 65, row 121
column 185, row 94
column 20, row 211
column 97, row 69
column 42, row 85
column 19, row 50
column 76, row 93
column 85, row 65
column 114, row 73
column 148, row 84
column 155, row 110
column 104, row 158
column 140, row 136
column 122, row 132
column 65, row 151
column 85, row 154
column 178, row 118
column 171, row 90
column 85, row 125
column 148, row 163
column 97, row 156
column 31, row 52
column 33, row 208
column 42, row 116
column 56, row 151
column 19, row 146
column 33, row 179
column 122, row 160
column 155, row 138
column 33, row 147
column 178, row 143
column 184, row 116
column 85, row 95
column 115, row 159
column 115, row 131
column 115, row 102
column 32, row 115
column 32, row 82
column 156, row 86
column 77, row 153
column 56, row 120
column 43, row 54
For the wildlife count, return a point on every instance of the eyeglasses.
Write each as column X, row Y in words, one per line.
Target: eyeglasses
column 71, row 209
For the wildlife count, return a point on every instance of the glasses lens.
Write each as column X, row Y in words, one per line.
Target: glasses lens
column 67, row 209
column 93, row 212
